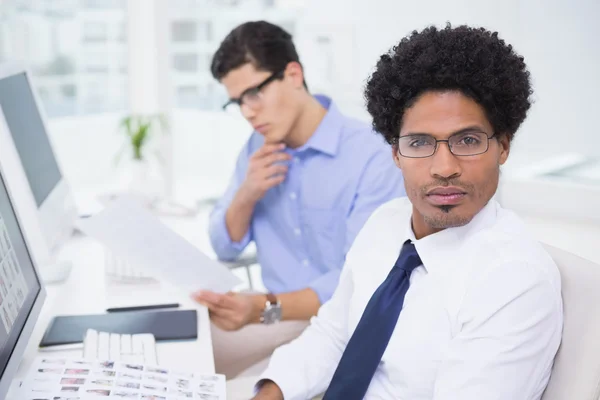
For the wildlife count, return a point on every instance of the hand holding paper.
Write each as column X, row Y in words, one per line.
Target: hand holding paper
column 231, row 311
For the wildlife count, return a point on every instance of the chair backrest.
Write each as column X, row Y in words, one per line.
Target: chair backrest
column 576, row 371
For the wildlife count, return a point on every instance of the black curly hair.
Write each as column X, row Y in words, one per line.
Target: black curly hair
column 267, row 46
column 474, row 61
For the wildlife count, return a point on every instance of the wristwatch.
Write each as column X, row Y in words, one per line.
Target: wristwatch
column 272, row 312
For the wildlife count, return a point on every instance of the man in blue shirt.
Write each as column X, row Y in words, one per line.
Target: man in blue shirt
column 304, row 185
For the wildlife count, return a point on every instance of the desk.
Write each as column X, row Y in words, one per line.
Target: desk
column 88, row 290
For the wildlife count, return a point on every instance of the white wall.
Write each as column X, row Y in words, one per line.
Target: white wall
column 204, row 149
column 559, row 39
column 86, row 146
column 562, row 49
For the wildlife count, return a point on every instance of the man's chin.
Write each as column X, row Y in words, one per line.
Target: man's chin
column 272, row 136
column 446, row 217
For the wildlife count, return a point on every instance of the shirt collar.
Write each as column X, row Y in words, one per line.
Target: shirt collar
column 438, row 249
column 326, row 137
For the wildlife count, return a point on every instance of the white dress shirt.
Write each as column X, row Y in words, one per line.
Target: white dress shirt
column 482, row 318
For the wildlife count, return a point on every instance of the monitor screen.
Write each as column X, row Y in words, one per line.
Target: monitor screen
column 31, row 140
column 19, row 284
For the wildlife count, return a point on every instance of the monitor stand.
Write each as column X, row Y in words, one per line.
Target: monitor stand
column 57, row 272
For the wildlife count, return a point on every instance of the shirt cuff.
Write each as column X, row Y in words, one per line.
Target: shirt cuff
column 325, row 285
column 224, row 247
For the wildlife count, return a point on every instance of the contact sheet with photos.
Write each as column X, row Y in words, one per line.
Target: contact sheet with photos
column 68, row 379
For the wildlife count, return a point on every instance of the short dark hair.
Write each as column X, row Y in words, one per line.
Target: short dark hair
column 473, row 61
column 267, row 46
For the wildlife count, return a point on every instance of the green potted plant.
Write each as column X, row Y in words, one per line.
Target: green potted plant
column 139, row 128
column 139, row 131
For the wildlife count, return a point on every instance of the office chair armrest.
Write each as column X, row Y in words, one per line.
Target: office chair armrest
column 245, row 260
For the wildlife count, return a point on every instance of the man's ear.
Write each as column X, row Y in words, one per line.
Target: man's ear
column 504, row 144
column 295, row 73
column 396, row 156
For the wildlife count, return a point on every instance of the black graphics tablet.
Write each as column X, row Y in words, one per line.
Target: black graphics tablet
column 164, row 325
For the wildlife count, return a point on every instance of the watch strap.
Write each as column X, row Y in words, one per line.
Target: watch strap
column 272, row 299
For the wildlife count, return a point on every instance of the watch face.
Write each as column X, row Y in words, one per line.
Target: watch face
column 272, row 314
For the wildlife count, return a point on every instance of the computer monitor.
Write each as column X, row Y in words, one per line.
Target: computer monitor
column 21, row 291
column 25, row 127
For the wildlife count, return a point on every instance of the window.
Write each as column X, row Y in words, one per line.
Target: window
column 184, row 31
column 100, row 94
column 227, row 3
column 104, row 4
column 94, row 32
column 187, row 96
column 194, row 37
column 122, row 63
column 2, row 39
column 68, row 90
column 288, row 26
column 207, row 100
column 185, row 5
column 121, row 32
column 64, row 46
column 201, row 97
column 59, row 98
column 97, row 62
column 96, row 69
column 205, row 60
column 59, row 65
column 185, row 62
column 205, row 32
column 190, row 31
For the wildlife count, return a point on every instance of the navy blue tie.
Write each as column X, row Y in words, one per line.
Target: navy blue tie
column 372, row 334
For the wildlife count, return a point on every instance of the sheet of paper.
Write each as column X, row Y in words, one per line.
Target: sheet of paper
column 77, row 379
column 134, row 234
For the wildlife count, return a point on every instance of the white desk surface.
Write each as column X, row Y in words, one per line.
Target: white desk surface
column 88, row 290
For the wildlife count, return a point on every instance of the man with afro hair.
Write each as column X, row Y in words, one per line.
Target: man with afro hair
column 444, row 294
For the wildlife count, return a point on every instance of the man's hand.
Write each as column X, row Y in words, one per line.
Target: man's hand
column 269, row 391
column 264, row 171
column 231, row 311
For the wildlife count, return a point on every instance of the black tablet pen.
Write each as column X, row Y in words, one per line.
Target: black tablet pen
column 143, row 308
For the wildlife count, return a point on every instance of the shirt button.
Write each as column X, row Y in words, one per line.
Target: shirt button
column 293, row 196
column 297, row 232
column 305, row 263
column 296, row 160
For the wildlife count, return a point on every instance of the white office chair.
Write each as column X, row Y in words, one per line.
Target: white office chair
column 576, row 372
column 244, row 261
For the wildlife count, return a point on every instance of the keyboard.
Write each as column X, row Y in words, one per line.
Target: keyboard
column 140, row 348
column 120, row 269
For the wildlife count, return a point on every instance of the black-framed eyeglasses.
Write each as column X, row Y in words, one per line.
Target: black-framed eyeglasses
column 468, row 143
column 252, row 96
